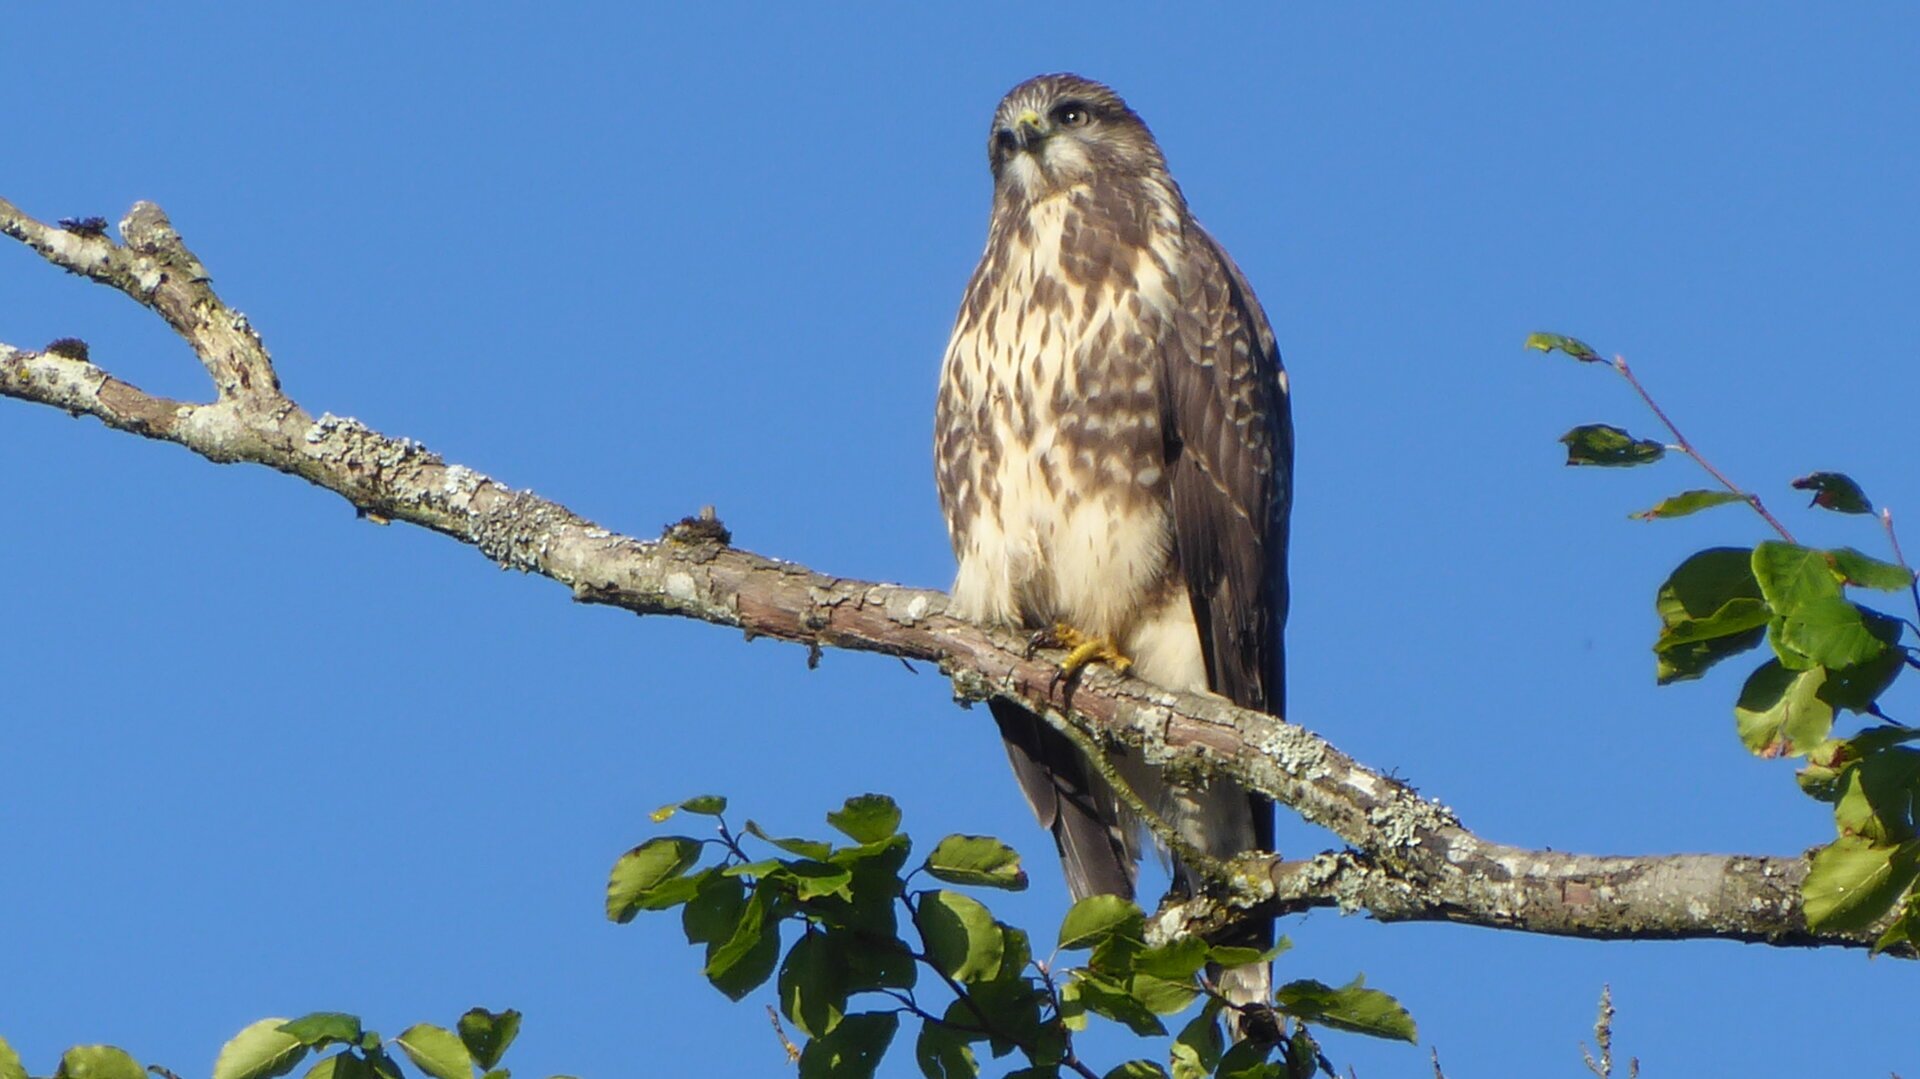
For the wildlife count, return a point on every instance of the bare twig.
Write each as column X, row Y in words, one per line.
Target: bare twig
column 1411, row 859
column 1686, row 447
column 1893, row 541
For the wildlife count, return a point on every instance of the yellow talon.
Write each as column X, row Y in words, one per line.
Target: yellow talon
column 1084, row 649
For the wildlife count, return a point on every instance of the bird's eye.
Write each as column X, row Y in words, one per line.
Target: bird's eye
column 1071, row 114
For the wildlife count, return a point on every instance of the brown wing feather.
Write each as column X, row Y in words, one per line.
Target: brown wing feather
column 1230, row 446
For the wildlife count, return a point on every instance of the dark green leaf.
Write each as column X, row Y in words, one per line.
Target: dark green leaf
column 1686, row 502
column 963, row 942
column 317, row 1030
column 1104, row 996
column 1780, row 712
column 853, row 1050
column 977, row 859
column 1609, row 447
column 1303, row 1054
column 643, row 870
column 1572, row 346
column 811, row 880
column 871, row 962
column 1877, row 796
column 1855, row 688
column 876, row 885
column 436, row 1050
column 98, row 1062
column 710, row 805
column 1851, row 882
column 944, row 1054
column 868, row 818
column 342, row 1065
column 383, row 1066
column 1867, row 572
column 1248, row 1060
column 812, row 993
column 746, row 959
column 1351, row 1007
column 713, row 912
column 1098, row 917
column 1199, row 1045
column 1136, row 1069
column 805, row 848
column 1903, row 933
column 1712, row 591
column 487, row 1034
column 261, row 1051
column 1834, row 491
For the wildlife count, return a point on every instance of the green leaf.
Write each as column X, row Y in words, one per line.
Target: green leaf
column 853, row 1050
column 1136, row 1069
column 868, row 818
column 261, row 1051
column 746, row 959
column 1834, row 491
column 977, row 859
column 1572, row 346
column 709, row 805
column 1352, row 1007
column 868, row 962
column 1709, row 600
column 811, row 880
column 1856, row 688
column 1686, row 502
column 98, row 1062
column 963, row 941
column 1905, row 930
column 816, row 849
column 1866, row 572
column 1877, row 796
column 1247, row 1060
column 1780, row 712
column 1833, row 632
column 1852, row 882
column 487, row 1034
column 644, row 870
column 1177, row 959
column 1609, row 447
column 713, row 912
column 1228, row 955
column 1791, row 576
column 1197, row 1048
column 812, row 993
column 436, row 1050
column 1162, row 996
column 10, row 1066
column 943, row 1053
column 341, row 1065
column 382, row 1065
column 1303, row 1054
column 1098, row 917
column 317, row 1030
column 1104, row 996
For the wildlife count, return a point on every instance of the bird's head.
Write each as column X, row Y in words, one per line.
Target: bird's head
column 1053, row 133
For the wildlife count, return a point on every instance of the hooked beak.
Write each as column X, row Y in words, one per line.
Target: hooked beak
column 1028, row 129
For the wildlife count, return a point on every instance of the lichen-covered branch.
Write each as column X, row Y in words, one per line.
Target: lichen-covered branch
column 1409, row 858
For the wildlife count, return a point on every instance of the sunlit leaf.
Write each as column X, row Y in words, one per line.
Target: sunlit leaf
column 260, row 1051
column 1834, row 491
column 1867, row 572
column 1609, row 447
column 1351, row 1007
column 1780, row 712
column 1106, row 997
column 805, row 848
column 643, row 870
column 10, row 1065
column 1097, row 917
column 710, row 805
column 1851, row 883
column 867, row 818
column 745, row 960
column 1877, row 796
column 1136, row 1069
column 436, row 1050
column 1686, row 502
column 1572, row 346
column 1197, row 1048
column 99, row 1062
column 963, row 942
column 977, row 859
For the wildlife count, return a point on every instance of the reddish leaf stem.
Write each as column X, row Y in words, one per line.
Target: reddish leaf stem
column 1680, row 440
column 1893, row 541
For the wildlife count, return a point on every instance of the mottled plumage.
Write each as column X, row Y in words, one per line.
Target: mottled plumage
column 1113, row 451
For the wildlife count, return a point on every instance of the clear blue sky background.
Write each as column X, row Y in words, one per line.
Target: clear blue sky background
column 263, row 758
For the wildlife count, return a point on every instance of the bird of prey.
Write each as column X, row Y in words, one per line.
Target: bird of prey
column 1114, row 456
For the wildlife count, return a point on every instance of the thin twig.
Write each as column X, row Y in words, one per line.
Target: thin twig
column 1686, row 447
column 1893, row 541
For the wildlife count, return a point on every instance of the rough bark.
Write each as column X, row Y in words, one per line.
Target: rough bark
column 1409, row 858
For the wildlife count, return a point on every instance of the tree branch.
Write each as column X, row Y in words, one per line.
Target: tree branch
column 1411, row 859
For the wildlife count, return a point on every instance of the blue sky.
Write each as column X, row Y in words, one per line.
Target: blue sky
column 263, row 758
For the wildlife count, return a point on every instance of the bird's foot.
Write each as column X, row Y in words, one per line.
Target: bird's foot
column 1082, row 649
